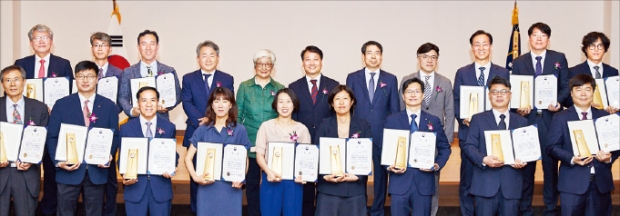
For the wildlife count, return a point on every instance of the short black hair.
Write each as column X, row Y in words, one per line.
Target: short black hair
column 312, row 49
column 591, row 37
column 581, row 79
column 480, row 32
column 86, row 65
column 427, row 47
column 147, row 88
column 544, row 28
column 338, row 89
column 408, row 82
column 501, row 81
column 291, row 94
column 370, row 43
column 145, row 32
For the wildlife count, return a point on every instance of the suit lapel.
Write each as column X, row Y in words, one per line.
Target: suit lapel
column 28, row 111
column 378, row 89
column 29, row 67
column 492, row 74
column 528, row 63
column 304, row 88
column 353, row 127
column 513, row 122
column 473, row 78
column 3, row 116
column 361, row 79
column 585, row 68
column 423, row 122
column 549, row 63
column 404, row 119
column 491, row 120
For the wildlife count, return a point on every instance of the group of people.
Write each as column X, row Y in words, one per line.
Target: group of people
column 312, row 107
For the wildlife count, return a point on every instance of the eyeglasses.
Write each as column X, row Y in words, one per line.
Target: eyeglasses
column 413, row 91
column 596, row 46
column 89, row 77
column 7, row 80
column 100, row 46
column 41, row 38
column 502, row 92
column 539, row 36
column 264, row 65
column 427, row 57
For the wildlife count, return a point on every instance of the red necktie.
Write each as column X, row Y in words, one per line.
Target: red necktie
column 314, row 91
column 86, row 112
column 42, row 69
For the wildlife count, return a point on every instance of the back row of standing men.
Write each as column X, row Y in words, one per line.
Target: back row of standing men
column 377, row 97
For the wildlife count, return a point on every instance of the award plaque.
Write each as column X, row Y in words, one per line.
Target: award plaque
column 72, row 155
column 276, row 161
column 582, row 145
column 525, row 94
column 473, row 104
column 31, row 91
column 2, row 149
column 496, row 144
column 401, row 153
column 597, row 99
column 209, row 163
column 132, row 164
column 336, row 160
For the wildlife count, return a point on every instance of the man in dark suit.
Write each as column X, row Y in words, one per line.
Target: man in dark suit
column 312, row 91
column 541, row 61
column 85, row 108
column 496, row 187
column 377, row 97
column 197, row 87
column 40, row 65
column 148, row 44
column 412, row 189
column 22, row 181
column 585, row 182
column 479, row 73
column 594, row 45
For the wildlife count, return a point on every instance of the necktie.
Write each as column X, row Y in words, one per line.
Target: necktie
column 538, row 65
column 150, row 72
column 149, row 134
column 584, row 115
column 100, row 73
column 17, row 119
column 502, row 123
column 86, row 113
column 414, row 126
column 598, row 74
column 427, row 90
column 314, row 91
column 371, row 86
column 42, row 69
column 206, row 77
column 481, row 77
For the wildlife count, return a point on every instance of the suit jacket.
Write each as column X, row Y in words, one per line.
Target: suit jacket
column 68, row 110
column 424, row 181
column 195, row 98
column 135, row 192
column 575, row 179
column 113, row 71
column 384, row 102
column 125, row 96
column 486, row 181
column 329, row 128
column 59, row 66
column 467, row 76
column 37, row 112
column 442, row 102
column 584, row 68
column 522, row 65
column 309, row 114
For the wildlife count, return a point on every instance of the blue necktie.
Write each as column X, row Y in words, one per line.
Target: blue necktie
column 149, row 133
column 371, row 87
column 538, row 65
column 206, row 76
column 502, row 123
column 414, row 126
column 481, row 77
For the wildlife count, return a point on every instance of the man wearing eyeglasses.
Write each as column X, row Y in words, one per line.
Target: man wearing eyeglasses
column 594, row 45
column 541, row 61
column 438, row 98
column 496, row 186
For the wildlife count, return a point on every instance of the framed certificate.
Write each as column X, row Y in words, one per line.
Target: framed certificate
column 600, row 95
column 422, row 150
column 583, row 138
column 98, row 145
column 359, row 156
column 34, row 89
column 209, row 160
column 307, row 162
column 33, row 144
column 71, row 143
column 472, row 100
column 11, row 136
column 281, row 158
column 526, row 144
column 545, row 91
column 138, row 83
column 55, row 88
column 108, row 87
column 395, row 149
column 167, row 89
column 499, row 144
column 332, row 154
column 612, row 85
column 522, row 91
column 607, row 128
column 234, row 163
column 133, row 157
column 162, row 156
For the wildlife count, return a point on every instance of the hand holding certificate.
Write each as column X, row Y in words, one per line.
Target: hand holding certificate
column 71, row 143
column 11, row 135
column 499, row 144
column 359, row 156
column 162, row 156
column 307, row 162
column 133, row 157
column 422, row 150
column 546, row 93
column 209, row 161
column 33, row 144
column 526, row 144
column 583, row 138
column 331, row 156
column 607, row 131
column 98, row 146
column 281, row 159
column 234, row 164
column 395, row 148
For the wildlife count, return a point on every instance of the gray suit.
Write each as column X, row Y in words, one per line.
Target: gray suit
column 24, row 186
column 125, row 96
column 442, row 106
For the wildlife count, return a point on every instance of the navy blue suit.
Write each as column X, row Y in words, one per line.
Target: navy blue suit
column 414, row 183
column 504, row 183
column 384, row 103
column 109, row 208
column 523, row 65
column 466, row 75
column 575, row 180
column 584, row 68
column 157, row 187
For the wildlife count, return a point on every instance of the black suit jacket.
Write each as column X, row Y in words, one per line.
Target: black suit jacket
column 584, row 68
column 311, row 114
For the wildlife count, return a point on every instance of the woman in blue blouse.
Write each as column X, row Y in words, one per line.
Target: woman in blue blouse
column 344, row 195
column 218, row 197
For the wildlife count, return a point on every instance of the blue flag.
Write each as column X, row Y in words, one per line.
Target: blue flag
column 514, row 49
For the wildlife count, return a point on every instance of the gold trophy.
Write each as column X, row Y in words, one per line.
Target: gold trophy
column 582, row 146
column 335, row 161
column 496, row 145
column 132, row 164
column 209, row 165
column 597, row 98
column 72, row 155
column 525, row 94
column 401, row 153
column 276, row 161
column 473, row 104
column 2, row 149
column 31, row 91
column 142, row 84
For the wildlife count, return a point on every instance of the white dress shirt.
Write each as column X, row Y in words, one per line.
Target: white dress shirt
column 496, row 113
column 143, row 122
column 318, row 83
column 417, row 117
column 487, row 70
column 592, row 70
column 375, row 78
column 144, row 72
column 37, row 65
column 542, row 61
